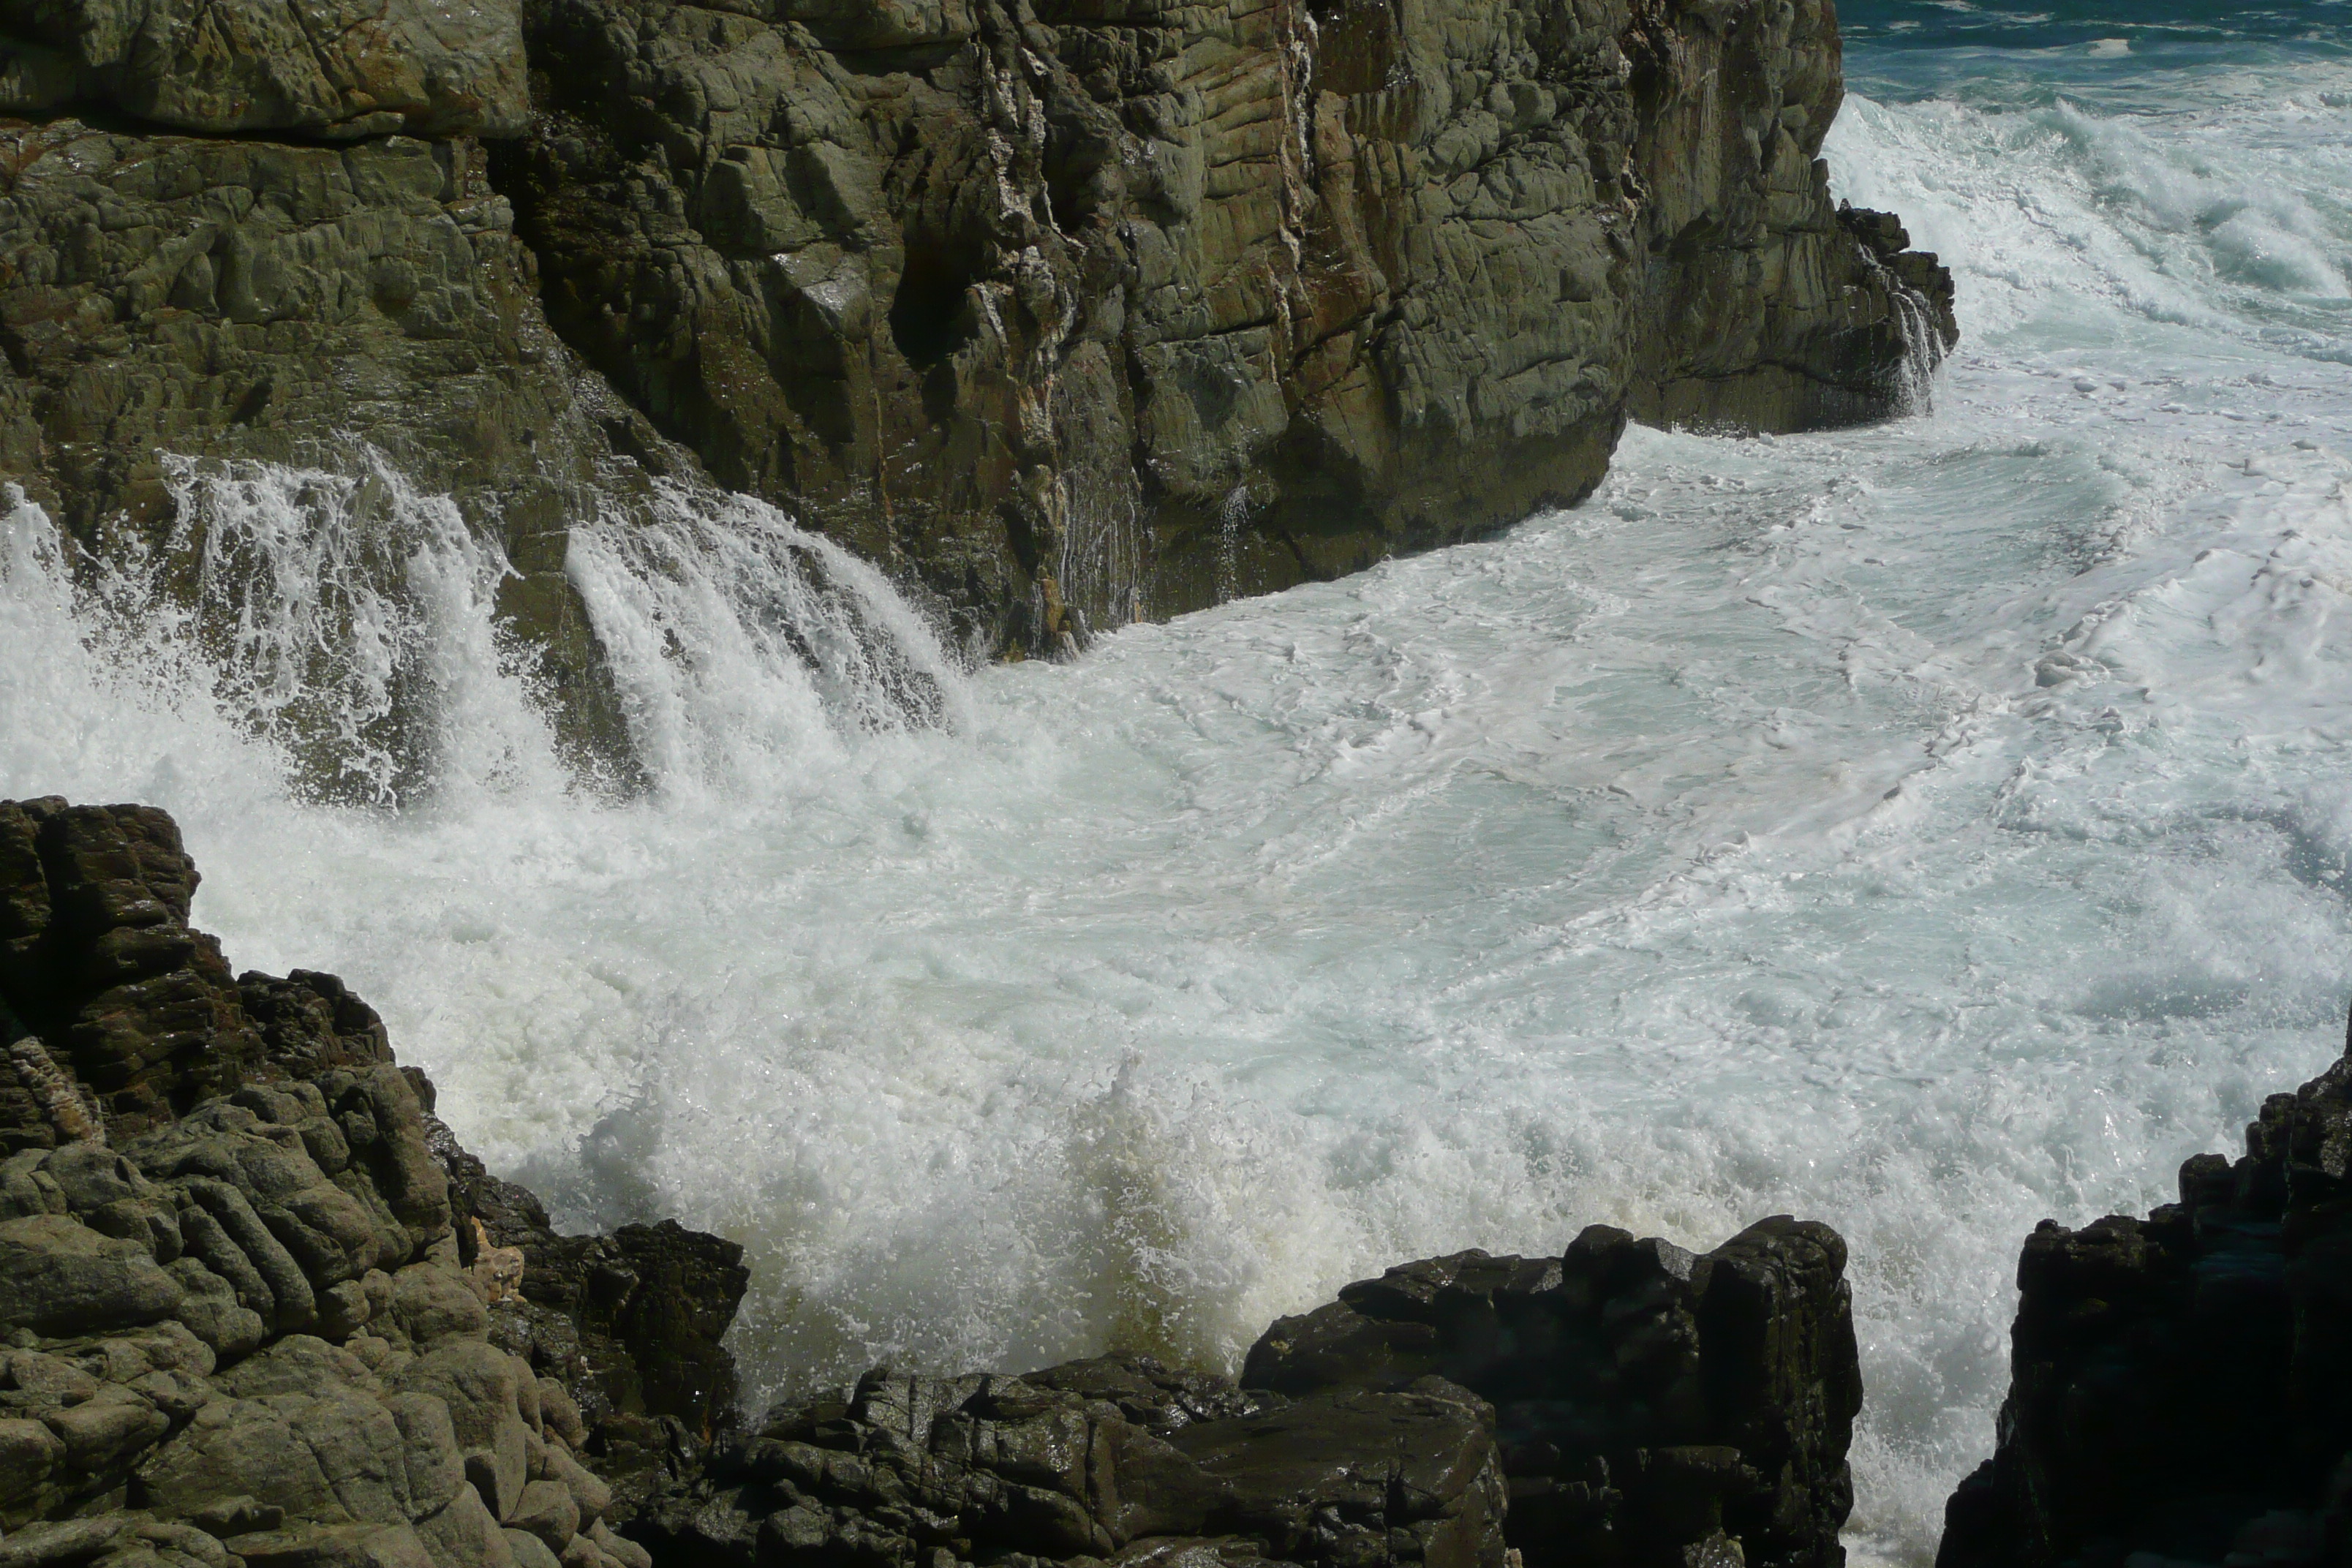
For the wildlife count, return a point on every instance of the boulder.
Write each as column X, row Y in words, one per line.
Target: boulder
column 2180, row 1384
column 59, row 1276
column 1647, row 1399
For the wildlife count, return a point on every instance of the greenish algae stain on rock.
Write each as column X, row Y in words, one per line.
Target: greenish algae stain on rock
column 1063, row 313
column 1076, row 311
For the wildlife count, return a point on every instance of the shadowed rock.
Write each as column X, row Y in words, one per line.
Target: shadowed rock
column 2181, row 1385
column 1651, row 1404
column 1117, row 1460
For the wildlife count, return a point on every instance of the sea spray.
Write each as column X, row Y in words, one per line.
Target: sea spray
column 1931, row 829
column 740, row 642
column 349, row 619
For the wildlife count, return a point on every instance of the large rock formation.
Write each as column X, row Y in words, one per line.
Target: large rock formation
column 1653, row 1406
column 1626, row 1404
column 238, row 1321
column 2182, row 1386
column 1071, row 311
column 1082, row 311
column 257, row 1306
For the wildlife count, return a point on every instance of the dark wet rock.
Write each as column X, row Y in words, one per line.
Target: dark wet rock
column 2181, row 1384
column 98, row 965
column 1117, row 1460
column 1076, row 312
column 627, row 1326
column 1063, row 313
column 1651, row 1404
column 234, row 1319
column 1629, row 1403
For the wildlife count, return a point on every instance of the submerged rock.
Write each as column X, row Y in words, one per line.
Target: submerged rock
column 237, row 1320
column 2181, row 1385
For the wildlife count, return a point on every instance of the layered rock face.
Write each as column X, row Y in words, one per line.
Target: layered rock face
column 1081, row 310
column 1071, row 311
column 1628, row 1403
column 2181, row 1384
column 238, row 1321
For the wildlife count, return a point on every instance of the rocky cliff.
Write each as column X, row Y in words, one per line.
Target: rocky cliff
column 2181, row 1384
column 1081, row 310
column 1627, row 1404
column 1068, row 310
column 250, row 1309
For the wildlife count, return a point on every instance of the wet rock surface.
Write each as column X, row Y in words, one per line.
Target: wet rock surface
column 1653, row 1406
column 236, row 1323
column 2180, row 1387
column 1115, row 1459
column 1064, row 313
column 1628, row 1403
column 1079, row 311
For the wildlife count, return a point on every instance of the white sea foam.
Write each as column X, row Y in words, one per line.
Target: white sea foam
column 1931, row 828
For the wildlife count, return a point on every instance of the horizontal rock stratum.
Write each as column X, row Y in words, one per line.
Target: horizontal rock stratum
column 1063, row 311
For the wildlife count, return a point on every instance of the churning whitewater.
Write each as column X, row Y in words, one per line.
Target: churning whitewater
column 1928, row 828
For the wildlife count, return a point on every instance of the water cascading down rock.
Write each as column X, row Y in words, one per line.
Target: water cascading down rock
column 1064, row 312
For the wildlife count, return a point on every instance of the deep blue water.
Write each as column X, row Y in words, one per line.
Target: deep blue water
column 2120, row 54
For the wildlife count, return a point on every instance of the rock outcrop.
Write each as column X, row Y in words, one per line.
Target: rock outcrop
column 2181, row 1385
column 1078, row 311
column 630, row 1322
column 1115, row 1459
column 1068, row 311
column 258, row 1307
column 236, row 1322
column 1653, row 1406
column 1628, row 1403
